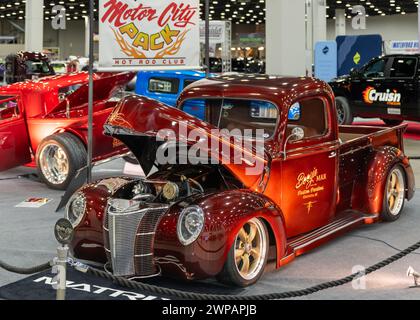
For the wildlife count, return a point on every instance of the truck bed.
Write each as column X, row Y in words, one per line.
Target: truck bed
column 359, row 136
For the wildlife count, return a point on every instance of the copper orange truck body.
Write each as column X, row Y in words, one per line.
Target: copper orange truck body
column 194, row 221
column 44, row 123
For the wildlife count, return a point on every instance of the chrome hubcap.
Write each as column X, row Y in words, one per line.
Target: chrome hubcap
column 395, row 192
column 54, row 163
column 250, row 249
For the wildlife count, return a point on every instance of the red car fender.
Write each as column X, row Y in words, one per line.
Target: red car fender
column 370, row 199
column 273, row 219
column 225, row 213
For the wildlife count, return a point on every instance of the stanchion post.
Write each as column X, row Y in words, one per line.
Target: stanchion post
column 61, row 267
column 90, row 101
column 63, row 231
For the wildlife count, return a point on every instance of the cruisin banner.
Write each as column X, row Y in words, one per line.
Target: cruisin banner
column 149, row 34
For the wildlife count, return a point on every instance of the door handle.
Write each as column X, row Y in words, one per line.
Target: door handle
column 332, row 155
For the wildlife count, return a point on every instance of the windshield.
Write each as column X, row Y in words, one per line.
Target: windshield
column 41, row 67
column 254, row 118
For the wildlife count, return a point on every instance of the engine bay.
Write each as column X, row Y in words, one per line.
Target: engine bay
column 174, row 183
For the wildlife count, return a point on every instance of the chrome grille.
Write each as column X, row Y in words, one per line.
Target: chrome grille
column 144, row 243
column 129, row 249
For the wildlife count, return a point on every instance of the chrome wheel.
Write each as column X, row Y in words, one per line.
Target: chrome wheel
column 54, row 163
column 250, row 249
column 395, row 192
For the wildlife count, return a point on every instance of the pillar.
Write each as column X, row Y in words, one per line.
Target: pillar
column 286, row 37
column 34, row 25
column 340, row 22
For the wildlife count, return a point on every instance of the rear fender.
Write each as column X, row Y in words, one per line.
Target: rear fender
column 369, row 191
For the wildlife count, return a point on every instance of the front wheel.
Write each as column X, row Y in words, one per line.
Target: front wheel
column 394, row 195
column 58, row 159
column 344, row 113
column 247, row 258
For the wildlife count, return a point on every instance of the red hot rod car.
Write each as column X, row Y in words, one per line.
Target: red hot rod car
column 44, row 122
column 195, row 221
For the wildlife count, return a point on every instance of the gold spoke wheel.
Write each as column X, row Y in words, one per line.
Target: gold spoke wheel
column 250, row 249
column 395, row 192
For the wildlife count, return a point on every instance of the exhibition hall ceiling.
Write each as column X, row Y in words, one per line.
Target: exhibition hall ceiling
column 237, row 11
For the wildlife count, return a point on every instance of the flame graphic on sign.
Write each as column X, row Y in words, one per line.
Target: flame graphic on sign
column 366, row 95
column 133, row 52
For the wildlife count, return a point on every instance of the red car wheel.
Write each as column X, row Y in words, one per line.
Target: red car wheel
column 247, row 258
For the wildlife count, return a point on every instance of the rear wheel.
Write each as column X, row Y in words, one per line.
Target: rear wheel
column 394, row 196
column 391, row 122
column 58, row 159
column 344, row 113
column 247, row 258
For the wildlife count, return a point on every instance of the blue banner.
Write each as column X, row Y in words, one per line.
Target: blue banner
column 326, row 60
column 356, row 51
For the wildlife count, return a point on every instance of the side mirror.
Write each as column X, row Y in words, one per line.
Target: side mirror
column 297, row 134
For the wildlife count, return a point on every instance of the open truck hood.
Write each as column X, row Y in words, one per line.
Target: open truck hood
column 141, row 124
column 105, row 86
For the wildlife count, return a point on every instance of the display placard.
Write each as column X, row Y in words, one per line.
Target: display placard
column 149, row 34
column 326, row 60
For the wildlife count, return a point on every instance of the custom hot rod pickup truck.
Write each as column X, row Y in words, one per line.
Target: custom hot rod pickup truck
column 44, row 123
column 197, row 219
column 387, row 87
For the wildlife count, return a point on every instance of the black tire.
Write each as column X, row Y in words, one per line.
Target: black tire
column 73, row 149
column 344, row 113
column 392, row 122
column 393, row 212
column 231, row 275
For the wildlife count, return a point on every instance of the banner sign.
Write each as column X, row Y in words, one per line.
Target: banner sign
column 149, row 34
column 401, row 47
column 217, row 31
column 356, row 51
column 326, row 60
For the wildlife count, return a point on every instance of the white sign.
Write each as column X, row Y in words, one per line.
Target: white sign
column 149, row 34
column 217, row 32
column 33, row 203
column 401, row 47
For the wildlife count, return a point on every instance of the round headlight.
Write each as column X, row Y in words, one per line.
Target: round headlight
column 190, row 224
column 76, row 208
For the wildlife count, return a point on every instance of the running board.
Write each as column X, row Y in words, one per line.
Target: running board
column 343, row 223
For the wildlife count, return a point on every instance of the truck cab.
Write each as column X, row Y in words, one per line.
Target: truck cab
column 387, row 87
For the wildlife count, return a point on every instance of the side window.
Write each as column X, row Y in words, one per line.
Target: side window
column 164, row 85
column 403, row 68
column 8, row 109
column 188, row 82
column 311, row 117
column 375, row 69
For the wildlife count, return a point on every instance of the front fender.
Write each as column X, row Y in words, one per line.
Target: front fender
column 88, row 240
column 370, row 192
column 225, row 214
